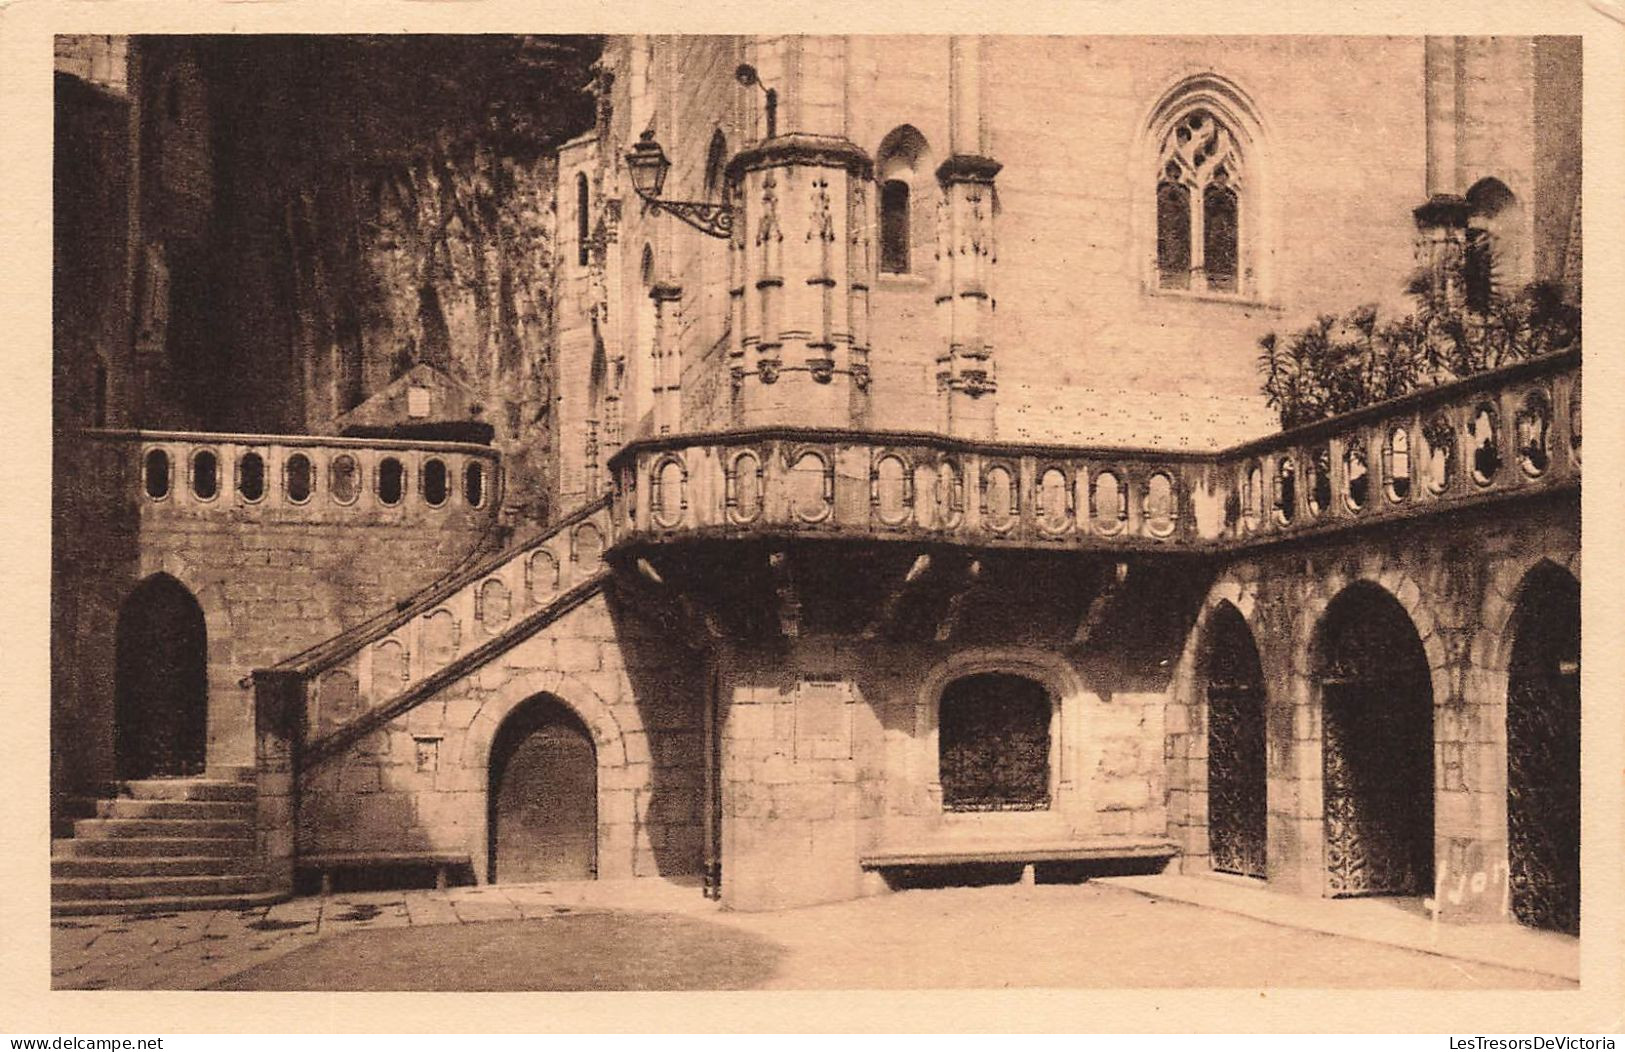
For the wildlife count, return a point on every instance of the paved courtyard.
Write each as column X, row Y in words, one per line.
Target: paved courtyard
column 656, row 936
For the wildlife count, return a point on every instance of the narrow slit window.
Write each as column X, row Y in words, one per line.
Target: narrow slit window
column 474, row 484
column 435, row 483
column 251, row 477
column 583, row 233
column 894, row 232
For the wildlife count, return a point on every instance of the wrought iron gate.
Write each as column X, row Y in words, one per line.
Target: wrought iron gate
column 1378, row 772
column 1236, row 778
column 1236, row 773
column 1543, row 765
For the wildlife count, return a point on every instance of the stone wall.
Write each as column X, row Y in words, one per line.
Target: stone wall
column 268, row 589
column 830, row 752
column 422, row 781
column 1458, row 579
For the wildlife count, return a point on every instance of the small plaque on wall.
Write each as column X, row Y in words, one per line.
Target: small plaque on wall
column 824, row 719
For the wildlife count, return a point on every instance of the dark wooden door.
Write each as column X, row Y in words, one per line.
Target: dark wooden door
column 160, row 694
column 544, row 801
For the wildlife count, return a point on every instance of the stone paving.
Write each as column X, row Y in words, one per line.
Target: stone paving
column 660, row 935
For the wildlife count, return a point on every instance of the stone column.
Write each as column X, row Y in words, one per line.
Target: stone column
column 799, row 356
column 1441, row 243
column 967, row 253
column 668, row 365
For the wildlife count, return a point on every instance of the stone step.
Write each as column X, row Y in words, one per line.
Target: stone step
column 240, row 773
column 74, row 889
column 182, row 789
column 121, row 866
column 153, row 847
column 190, row 828
column 230, row 810
column 164, row 904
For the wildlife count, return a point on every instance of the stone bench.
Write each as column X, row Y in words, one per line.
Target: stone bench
column 959, row 852
column 326, row 862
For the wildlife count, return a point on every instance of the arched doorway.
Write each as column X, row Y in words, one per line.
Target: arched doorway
column 1543, row 752
column 1377, row 720
column 993, row 742
column 1236, row 777
column 160, row 686
column 543, row 796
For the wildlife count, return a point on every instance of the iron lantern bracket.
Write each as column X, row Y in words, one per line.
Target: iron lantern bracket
column 714, row 219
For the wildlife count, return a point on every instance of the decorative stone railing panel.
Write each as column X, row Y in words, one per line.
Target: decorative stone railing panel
column 1495, row 436
column 293, row 478
column 358, row 674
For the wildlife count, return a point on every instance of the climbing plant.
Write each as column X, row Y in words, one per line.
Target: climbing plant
column 1342, row 362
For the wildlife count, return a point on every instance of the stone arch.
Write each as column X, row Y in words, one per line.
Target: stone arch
column 609, row 743
column 581, row 699
column 1508, row 584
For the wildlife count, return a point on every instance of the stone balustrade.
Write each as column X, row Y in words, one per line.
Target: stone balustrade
column 1510, row 432
column 355, row 674
column 297, row 478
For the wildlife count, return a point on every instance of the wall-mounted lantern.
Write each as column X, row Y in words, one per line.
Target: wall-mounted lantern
column 648, row 165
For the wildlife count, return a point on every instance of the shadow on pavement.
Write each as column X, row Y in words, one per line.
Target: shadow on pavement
column 585, row 951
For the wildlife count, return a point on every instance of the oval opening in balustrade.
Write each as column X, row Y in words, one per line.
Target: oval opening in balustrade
column 436, row 482
column 1356, row 475
column 811, row 487
column 1396, row 465
column 1108, row 502
column 890, row 496
column 251, row 477
column 1533, row 431
column 1053, row 510
column 474, row 484
column 1286, row 491
column 670, row 492
column 344, row 479
column 155, row 474
column 1252, row 497
column 297, row 478
column 1318, row 465
column 1160, row 507
column 1440, row 439
column 1485, row 432
column 391, row 481
column 745, row 487
column 205, row 475
column 999, row 507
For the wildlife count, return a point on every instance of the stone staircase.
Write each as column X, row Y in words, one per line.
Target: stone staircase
column 163, row 844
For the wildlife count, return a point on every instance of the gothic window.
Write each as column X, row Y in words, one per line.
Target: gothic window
column 994, row 744
column 1199, row 205
column 1487, row 255
column 716, row 165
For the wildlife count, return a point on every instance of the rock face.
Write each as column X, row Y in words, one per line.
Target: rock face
column 449, row 264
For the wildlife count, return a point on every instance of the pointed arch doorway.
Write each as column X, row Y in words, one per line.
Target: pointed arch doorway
column 543, row 796
column 1237, row 778
column 1543, row 753
column 1377, row 750
column 160, row 682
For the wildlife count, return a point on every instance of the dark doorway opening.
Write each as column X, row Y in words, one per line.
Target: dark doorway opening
column 543, row 796
column 1543, row 753
column 160, row 693
column 1377, row 719
column 1236, row 773
column 994, row 744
